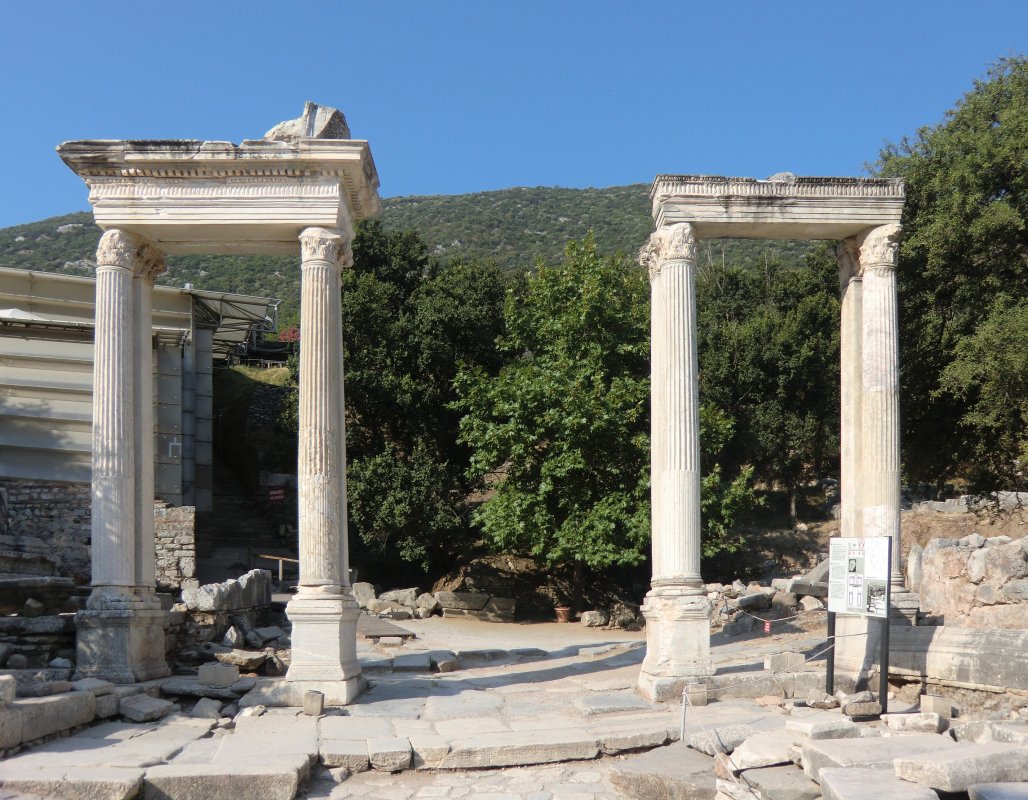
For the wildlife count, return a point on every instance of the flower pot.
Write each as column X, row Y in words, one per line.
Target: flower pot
column 563, row 613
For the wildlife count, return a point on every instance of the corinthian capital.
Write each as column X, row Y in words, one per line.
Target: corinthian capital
column 879, row 247
column 670, row 243
column 321, row 244
column 118, row 248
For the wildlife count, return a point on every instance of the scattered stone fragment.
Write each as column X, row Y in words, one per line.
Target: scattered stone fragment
column 252, row 711
column 783, row 662
column 270, row 632
column 594, row 619
column 723, row 739
column 443, row 661
column 217, row 674
column 959, row 767
column 245, row 660
column 767, row 749
column 362, row 593
column 808, row 603
column 937, row 704
column 823, row 726
column 389, row 754
column 143, row 708
column 206, row 708
column 782, row 783
column 405, row 597
column 822, row 700
column 919, row 723
column 880, row 783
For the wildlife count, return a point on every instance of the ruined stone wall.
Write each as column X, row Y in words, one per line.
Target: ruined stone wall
column 175, row 543
column 972, row 582
column 45, row 528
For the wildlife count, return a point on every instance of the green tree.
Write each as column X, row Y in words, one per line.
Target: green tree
column 769, row 351
column 561, row 432
column 963, row 267
column 408, row 321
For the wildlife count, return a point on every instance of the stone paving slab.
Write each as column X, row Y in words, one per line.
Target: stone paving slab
column 861, row 783
column 869, row 752
column 676, row 771
column 72, row 783
column 273, row 778
column 961, row 766
column 518, row 748
column 784, row 783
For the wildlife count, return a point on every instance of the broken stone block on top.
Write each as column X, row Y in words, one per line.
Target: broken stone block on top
column 723, row 739
column 217, row 674
column 959, row 767
column 143, row 708
column 917, row 723
column 870, row 751
column 389, row 754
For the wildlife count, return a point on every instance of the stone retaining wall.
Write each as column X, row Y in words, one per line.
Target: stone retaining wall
column 972, row 582
column 46, row 528
column 175, row 544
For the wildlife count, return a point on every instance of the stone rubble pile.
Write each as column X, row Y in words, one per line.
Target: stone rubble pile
column 815, row 754
column 410, row 603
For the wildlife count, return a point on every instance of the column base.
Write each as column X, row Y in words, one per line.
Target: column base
column 289, row 694
column 324, row 638
column 677, row 641
column 121, row 645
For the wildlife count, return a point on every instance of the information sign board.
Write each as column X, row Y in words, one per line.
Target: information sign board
column 858, row 575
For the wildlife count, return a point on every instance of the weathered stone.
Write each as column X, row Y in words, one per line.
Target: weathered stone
column 10, row 728
column 999, row 791
column 191, row 687
column 675, row 772
column 1012, row 732
column 959, row 767
column 500, row 607
column 470, row 601
column 783, row 662
column 349, row 753
column 936, row 704
column 313, row 703
column 61, row 663
column 245, row 660
column 107, row 705
column 206, row 708
column 43, row 688
column 389, row 754
column 73, row 783
column 764, row 750
column 267, row 778
column 869, row 751
column 405, row 597
column 362, row 593
column 594, row 619
column 8, row 689
column 270, row 632
column 42, row 716
column 867, row 709
column 412, row 662
column 217, row 674
column 94, row 685
column 917, row 723
column 821, row 700
column 316, row 122
column 810, row 603
column 593, row 704
column 785, row 600
column 782, row 783
column 143, row 708
column 723, row 739
column 444, row 661
column 823, row 726
column 17, row 661
column 519, row 748
column 33, row 608
column 427, row 601
column 428, row 750
column 860, row 783
column 757, row 601
column 734, row 790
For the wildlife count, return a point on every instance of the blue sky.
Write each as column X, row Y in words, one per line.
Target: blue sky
column 469, row 96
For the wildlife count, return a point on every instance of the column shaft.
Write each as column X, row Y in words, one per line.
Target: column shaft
column 851, row 410
column 880, row 471
column 143, row 379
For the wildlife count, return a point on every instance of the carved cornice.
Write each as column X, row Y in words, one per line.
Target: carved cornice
column 117, row 248
column 781, row 185
column 669, row 243
column 879, row 248
column 321, row 244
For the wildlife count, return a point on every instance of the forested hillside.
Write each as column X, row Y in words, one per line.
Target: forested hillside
column 510, row 228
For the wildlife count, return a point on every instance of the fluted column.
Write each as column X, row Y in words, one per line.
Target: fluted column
column 880, row 422
column 851, row 345
column 676, row 609
column 121, row 630
column 323, row 613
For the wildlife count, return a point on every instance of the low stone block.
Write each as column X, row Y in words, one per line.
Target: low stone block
column 217, row 674
column 42, row 716
column 862, row 783
column 468, row 601
column 824, row 726
column 783, row 662
column 959, row 767
column 428, row 750
column 245, row 660
column 765, row 750
column 10, row 728
column 362, row 593
column 95, row 685
column 269, row 779
column 1012, row 732
column 501, row 606
column 936, row 704
column 427, row 601
column 782, row 783
column 821, row 700
column 43, row 688
column 405, row 597
column 723, row 739
column 8, row 689
column 591, row 705
column 191, row 687
column 675, row 772
column 73, row 783
column 107, row 706
column 517, row 748
column 343, row 728
column 389, row 754
column 412, row 662
column 349, row 753
column 869, row 752
column 915, row 723
column 206, row 708
column 143, row 708
column 999, row 791
column 444, row 661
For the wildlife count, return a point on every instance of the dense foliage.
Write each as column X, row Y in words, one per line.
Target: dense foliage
column 963, row 281
column 408, row 321
column 562, row 430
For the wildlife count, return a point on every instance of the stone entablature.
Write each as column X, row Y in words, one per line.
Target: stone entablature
column 190, row 196
column 783, row 206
